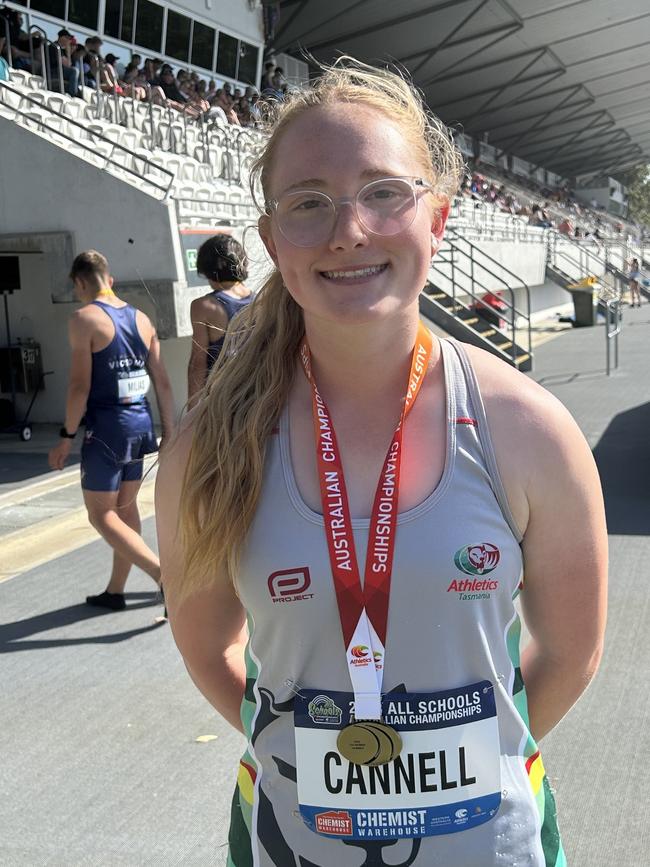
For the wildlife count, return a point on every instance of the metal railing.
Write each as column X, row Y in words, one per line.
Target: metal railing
column 464, row 282
column 81, row 142
column 564, row 252
column 613, row 319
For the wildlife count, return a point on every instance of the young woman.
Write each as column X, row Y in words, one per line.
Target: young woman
column 359, row 504
column 222, row 261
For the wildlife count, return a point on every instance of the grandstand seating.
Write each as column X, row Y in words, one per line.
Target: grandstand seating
column 144, row 145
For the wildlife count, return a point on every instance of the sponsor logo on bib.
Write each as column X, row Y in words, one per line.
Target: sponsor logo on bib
column 323, row 709
column 337, row 822
column 477, row 559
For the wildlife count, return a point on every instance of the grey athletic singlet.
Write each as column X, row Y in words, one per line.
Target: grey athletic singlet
column 448, row 625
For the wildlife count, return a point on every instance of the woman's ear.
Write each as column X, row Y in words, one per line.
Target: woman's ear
column 438, row 224
column 264, row 228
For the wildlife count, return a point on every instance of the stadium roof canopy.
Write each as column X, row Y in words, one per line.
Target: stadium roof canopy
column 562, row 83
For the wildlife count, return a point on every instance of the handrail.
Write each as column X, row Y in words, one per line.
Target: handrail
column 583, row 256
column 42, row 45
column 454, row 241
column 10, row 61
column 612, row 329
column 79, row 142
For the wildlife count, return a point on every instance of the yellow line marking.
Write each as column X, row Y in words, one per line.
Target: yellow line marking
column 37, row 489
column 44, row 541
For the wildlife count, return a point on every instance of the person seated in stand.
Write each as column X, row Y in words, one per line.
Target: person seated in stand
column 63, row 47
column 175, row 97
column 331, row 414
column 222, row 261
column 20, row 42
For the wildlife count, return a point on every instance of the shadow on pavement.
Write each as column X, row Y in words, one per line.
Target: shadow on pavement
column 12, row 635
column 27, row 467
column 623, row 458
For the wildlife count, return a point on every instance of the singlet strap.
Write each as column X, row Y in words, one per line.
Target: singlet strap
column 470, row 412
column 125, row 323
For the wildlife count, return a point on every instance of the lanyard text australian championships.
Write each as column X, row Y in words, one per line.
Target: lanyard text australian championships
column 364, row 610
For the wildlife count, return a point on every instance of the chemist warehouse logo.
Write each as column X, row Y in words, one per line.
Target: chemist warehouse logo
column 475, row 560
column 290, row 585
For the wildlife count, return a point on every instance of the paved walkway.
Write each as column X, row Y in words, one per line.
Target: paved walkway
column 111, row 757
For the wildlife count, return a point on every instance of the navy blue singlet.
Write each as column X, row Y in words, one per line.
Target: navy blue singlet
column 119, row 378
column 119, row 426
column 232, row 306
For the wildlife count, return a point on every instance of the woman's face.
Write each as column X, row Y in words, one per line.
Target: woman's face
column 337, row 150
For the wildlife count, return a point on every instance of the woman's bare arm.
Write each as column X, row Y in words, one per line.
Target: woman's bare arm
column 209, row 627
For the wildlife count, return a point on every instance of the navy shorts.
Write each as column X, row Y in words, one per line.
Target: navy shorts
column 112, row 454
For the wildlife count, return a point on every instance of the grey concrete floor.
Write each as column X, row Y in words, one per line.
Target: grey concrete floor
column 98, row 733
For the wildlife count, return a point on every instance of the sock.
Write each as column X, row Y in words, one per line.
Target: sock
column 114, row 601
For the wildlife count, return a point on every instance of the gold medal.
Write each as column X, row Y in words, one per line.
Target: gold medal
column 390, row 740
column 369, row 742
column 358, row 744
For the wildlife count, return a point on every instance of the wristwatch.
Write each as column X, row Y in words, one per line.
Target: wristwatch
column 64, row 433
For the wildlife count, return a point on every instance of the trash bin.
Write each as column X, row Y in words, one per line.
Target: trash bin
column 585, row 306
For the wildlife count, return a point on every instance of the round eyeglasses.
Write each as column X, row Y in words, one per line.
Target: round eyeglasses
column 387, row 206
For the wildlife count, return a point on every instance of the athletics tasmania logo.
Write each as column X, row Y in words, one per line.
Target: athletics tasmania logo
column 477, row 559
column 290, row 585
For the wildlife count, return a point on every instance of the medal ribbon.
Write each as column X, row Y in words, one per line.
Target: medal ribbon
column 363, row 610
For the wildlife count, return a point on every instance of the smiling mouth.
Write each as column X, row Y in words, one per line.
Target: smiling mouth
column 355, row 273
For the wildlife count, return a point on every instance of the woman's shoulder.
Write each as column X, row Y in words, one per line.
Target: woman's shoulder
column 535, row 437
column 522, row 403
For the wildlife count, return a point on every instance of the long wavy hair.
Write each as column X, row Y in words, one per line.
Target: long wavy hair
column 251, row 380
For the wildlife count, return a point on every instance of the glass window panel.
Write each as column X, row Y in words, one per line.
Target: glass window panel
column 127, row 20
column 83, row 12
column 202, row 45
column 177, row 41
column 55, row 8
column 112, row 18
column 227, row 56
column 247, row 63
column 148, row 26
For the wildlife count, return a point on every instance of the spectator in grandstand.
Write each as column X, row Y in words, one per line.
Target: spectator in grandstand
column 18, row 38
column 244, row 113
column 152, row 67
column 94, row 45
column 174, row 96
column 267, row 77
column 222, row 261
column 224, row 102
column 79, row 59
column 566, row 227
column 132, row 67
column 539, row 218
column 115, row 355
column 356, row 179
column 62, row 47
column 633, row 277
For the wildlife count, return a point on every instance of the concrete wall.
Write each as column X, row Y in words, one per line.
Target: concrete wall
column 235, row 15
column 43, row 188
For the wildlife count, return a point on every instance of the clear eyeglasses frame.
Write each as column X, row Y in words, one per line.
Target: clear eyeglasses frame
column 387, row 206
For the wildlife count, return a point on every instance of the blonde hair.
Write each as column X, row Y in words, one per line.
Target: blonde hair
column 251, row 380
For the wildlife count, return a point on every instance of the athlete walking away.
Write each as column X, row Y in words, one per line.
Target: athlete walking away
column 359, row 505
column 115, row 354
column 222, row 261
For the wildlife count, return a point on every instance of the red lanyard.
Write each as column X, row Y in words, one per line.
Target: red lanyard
column 373, row 597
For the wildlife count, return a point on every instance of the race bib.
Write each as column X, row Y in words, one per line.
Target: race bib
column 447, row 777
column 132, row 385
